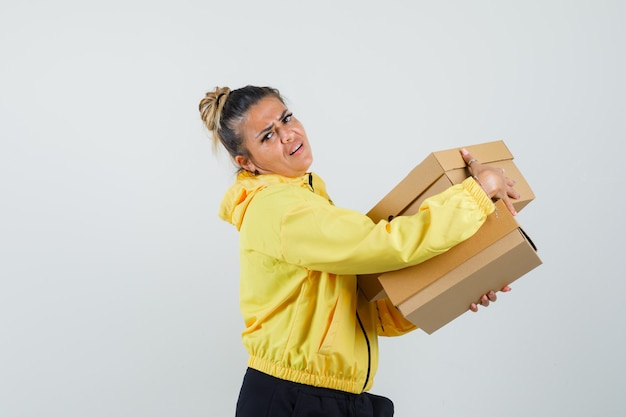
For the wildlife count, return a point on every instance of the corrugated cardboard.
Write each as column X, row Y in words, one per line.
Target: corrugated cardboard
column 435, row 292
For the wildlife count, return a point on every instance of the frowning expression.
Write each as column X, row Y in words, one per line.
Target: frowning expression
column 275, row 139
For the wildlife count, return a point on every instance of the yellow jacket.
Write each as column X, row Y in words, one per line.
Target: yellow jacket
column 299, row 257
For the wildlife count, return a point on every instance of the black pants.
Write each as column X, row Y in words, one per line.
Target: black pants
column 263, row 395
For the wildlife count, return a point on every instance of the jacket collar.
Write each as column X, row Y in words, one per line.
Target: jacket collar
column 239, row 195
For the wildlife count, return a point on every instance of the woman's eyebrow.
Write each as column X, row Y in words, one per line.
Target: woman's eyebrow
column 271, row 125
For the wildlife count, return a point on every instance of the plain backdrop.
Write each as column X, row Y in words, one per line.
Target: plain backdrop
column 118, row 282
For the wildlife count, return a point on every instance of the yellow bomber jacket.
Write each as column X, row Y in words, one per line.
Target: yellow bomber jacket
column 305, row 320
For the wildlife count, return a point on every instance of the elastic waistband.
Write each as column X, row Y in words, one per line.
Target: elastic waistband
column 303, row 377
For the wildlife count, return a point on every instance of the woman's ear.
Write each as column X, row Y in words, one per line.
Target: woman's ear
column 245, row 163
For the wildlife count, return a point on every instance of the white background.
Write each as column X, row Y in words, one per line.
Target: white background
column 119, row 284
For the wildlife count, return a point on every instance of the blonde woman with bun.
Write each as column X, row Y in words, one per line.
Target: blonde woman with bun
column 311, row 336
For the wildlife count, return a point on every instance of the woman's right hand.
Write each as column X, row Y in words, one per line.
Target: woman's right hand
column 492, row 180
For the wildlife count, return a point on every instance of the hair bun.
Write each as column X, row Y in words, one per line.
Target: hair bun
column 211, row 106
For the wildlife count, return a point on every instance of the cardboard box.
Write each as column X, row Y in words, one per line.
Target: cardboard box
column 435, row 292
column 442, row 169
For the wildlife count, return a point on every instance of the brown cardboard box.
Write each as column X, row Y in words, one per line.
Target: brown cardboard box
column 442, row 169
column 435, row 292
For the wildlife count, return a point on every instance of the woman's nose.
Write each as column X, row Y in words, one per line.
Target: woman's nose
column 285, row 135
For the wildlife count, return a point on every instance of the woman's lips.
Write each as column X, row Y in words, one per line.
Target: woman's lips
column 297, row 149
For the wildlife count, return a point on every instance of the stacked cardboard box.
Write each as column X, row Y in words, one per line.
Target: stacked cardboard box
column 437, row 291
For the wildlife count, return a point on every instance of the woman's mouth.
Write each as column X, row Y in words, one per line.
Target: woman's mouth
column 296, row 150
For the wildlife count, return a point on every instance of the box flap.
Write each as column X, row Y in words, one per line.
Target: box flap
column 486, row 153
column 407, row 190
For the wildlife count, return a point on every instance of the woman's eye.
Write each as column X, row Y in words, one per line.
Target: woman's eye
column 287, row 118
column 268, row 136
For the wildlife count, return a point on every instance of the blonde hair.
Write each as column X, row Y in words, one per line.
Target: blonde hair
column 222, row 111
column 211, row 110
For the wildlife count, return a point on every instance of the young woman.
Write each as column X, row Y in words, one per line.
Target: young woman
column 310, row 334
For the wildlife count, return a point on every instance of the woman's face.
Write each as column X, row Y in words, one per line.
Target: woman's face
column 276, row 141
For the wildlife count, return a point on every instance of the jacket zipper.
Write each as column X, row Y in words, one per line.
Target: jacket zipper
column 369, row 351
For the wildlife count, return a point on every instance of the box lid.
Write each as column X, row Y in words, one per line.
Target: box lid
column 486, row 153
column 417, row 183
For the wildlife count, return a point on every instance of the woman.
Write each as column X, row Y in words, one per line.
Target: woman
column 310, row 334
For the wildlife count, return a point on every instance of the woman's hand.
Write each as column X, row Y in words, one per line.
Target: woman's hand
column 487, row 298
column 492, row 180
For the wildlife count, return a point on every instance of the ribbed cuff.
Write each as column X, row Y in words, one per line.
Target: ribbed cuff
column 483, row 200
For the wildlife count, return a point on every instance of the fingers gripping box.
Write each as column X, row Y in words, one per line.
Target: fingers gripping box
column 442, row 288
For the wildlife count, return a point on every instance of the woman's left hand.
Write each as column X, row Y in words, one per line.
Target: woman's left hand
column 487, row 298
column 492, row 180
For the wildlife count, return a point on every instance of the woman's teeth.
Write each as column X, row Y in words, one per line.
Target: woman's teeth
column 296, row 150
